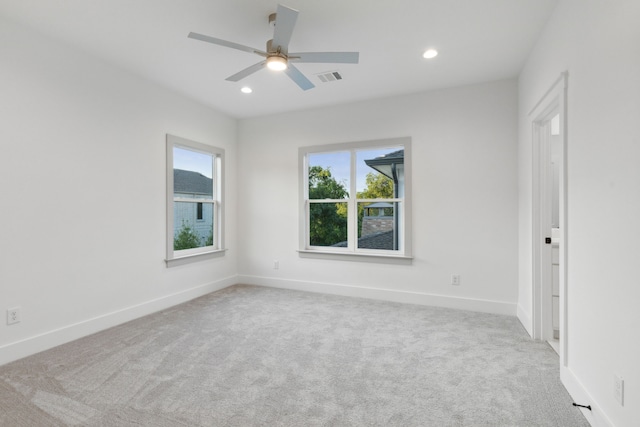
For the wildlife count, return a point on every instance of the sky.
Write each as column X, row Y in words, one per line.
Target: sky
column 339, row 164
column 193, row 161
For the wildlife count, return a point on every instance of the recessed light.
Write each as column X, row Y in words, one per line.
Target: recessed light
column 430, row 53
column 246, row 89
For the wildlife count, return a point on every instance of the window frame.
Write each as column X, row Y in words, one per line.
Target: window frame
column 183, row 256
column 352, row 251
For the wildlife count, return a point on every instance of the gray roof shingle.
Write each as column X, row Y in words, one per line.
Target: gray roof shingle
column 381, row 240
column 191, row 182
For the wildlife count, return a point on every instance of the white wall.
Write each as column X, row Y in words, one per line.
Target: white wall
column 82, row 172
column 464, row 197
column 598, row 43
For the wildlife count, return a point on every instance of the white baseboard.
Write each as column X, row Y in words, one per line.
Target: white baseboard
column 484, row 306
column 35, row 344
column 525, row 319
column 596, row 416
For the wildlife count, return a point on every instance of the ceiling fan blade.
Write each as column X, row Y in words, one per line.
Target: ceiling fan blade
column 225, row 43
column 285, row 21
column 246, row 72
column 326, row 57
column 299, row 78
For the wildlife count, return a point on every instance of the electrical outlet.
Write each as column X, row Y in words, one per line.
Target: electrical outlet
column 276, row 265
column 13, row 315
column 455, row 279
column 618, row 389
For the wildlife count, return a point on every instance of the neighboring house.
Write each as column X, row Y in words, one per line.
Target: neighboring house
column 376, row 240
column 380, row 221
column 390, row 165
column 199, row 216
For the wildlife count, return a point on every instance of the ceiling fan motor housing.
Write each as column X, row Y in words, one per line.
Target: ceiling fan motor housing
column 276, row 50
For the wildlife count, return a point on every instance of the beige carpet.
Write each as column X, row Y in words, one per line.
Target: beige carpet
column 248, row 356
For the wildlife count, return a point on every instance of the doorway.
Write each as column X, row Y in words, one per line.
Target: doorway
column 549, row 137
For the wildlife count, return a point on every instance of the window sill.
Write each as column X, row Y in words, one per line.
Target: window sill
column 187, row 259
column 353, row 256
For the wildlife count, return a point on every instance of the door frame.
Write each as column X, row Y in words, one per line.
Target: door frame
column 553, row 102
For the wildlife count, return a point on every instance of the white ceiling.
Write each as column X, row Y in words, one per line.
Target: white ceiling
column 478, row 41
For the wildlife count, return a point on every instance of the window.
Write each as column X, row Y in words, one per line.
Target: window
column 199, row 216
column 355, row 198
column 194, row 199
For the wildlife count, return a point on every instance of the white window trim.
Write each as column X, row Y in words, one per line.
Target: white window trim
column 350, row 252
column 185, row 256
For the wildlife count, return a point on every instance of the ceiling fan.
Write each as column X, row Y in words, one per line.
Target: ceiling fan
column 277, row 56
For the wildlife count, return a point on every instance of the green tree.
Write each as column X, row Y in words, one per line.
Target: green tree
column 186, row 238
column 328, row 221
column 322, row 185
column 379, row 186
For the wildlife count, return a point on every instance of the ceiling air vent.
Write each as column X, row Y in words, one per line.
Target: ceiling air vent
column 331, row 76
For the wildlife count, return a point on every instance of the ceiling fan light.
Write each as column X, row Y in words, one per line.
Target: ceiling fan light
column 277, row 63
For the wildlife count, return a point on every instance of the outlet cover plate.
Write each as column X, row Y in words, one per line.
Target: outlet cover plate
column 13, row 315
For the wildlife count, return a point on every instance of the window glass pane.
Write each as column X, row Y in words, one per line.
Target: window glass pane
column 329, row 175
column 378, row 173
column 378, row 225
column 188, row 231
column 192, row 174
column 328, row 224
